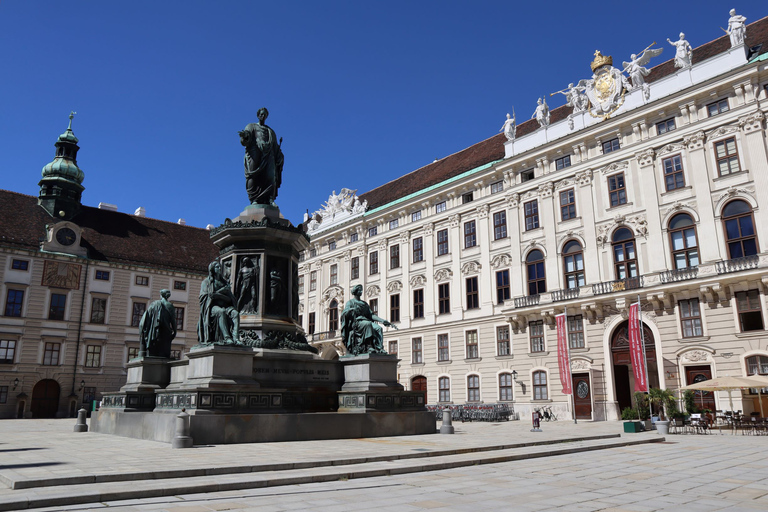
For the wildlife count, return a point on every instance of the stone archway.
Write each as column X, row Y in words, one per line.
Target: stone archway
column 45, row 399
column 623, row 379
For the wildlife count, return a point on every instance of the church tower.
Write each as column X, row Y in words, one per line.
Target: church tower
column 61, row 186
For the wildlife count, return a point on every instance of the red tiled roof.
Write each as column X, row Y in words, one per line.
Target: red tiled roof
column 492, row 149
column 111, row 236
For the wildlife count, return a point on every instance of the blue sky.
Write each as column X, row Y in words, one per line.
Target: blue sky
column 361, row 91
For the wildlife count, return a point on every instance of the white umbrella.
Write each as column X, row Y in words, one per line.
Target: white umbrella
column 723, row 384
column 760, row 383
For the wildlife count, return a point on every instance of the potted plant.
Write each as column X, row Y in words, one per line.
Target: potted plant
column 631, row 425
column 664, row 399
column 643, row 409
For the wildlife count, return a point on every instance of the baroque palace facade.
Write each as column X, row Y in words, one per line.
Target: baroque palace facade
column 657, row 193
column 75, row 281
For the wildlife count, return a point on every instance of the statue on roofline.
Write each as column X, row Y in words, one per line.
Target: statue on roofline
column 683, row 52
column 509, row 128
column 636, row 70
column 737, row 29
column 541, row 114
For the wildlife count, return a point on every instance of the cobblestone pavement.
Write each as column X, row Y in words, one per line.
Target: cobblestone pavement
column 688, row 472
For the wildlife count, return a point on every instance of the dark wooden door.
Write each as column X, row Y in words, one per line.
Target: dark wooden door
column 694, row 374
column 420, row 384
column 582, row 396
column 623, row 393
column 45, row 399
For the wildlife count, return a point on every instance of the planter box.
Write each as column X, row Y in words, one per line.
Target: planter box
column 633, row 427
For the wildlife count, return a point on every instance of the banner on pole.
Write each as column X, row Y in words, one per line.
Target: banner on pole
column 636, row 348
column 563, row 358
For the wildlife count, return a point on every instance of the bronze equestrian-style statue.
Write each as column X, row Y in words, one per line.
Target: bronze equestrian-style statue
column 263, row 160
column 359, row 328
column 157, row 327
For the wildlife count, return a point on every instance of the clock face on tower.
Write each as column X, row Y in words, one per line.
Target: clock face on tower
column 65, row 236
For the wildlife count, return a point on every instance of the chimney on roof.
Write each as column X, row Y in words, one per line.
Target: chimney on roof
column 107, row 206
column 209, row 227
column 181, row 222
column 140, row 212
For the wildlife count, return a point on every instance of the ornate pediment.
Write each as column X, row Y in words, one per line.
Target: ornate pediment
column 615, row 167
column 671, row 148
column 394, row 286
column 443, row 274
column 470, row 268
column 418, row 280
column 372, row 291
column 722, row 131
column 331, row 293
column 501, row 260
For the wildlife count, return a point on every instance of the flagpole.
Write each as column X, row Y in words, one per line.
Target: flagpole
column 568, row 347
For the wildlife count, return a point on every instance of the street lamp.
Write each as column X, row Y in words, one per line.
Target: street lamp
column 82, row 385
column 15, row 383
column 514, row 375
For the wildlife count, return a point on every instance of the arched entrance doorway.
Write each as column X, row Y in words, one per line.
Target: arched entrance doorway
column 45, row 399
column 623, row 379
column 419, row 383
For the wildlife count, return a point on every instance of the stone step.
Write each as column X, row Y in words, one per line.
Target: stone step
column 149, row 487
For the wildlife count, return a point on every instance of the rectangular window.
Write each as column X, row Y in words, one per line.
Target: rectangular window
column 673, row 172
column 467, row 198
column 138, row 311
column 394, row 223
column 312, row 252
column 472, row 350
column 690, row 318
column 416, row 216
column 179, row 318
column 353, row 238
column 373, row 263
column 133, row 353
column 562, row 163
column 98, row 310
column 394, row 256
column 51, row 354
column 473, row 296
column 531, row 215
column 93, row 356
column 442, row 242
column 418, row 303
column 750, row 313
column 503, row 347
column 102, row 275
column 394, row 308
column 540, row 386
column 499, row 225
column 7, row 351
column 718, row 107
column 417, row 354
column 567, row 204
column 470, row 236
column 58, row 306
column 180, row 285
column 313, row 280
column 373, row 231
column 665, row 126
column 497, row 187
column 575, row 331
column 444, row 298
column 505, row 387
column 611, row 145
column 527, row 175
column 440, row 207
column 301, row 284
column 355, row 267
column 392, row 347
column 311, row 324
column 444, row 388
column 13, row 302
column 536, row 332
column 502, row 286
column 727, row 157
column 473, row 388
column 334, row 274
column 3, row 394
column 374, row 305
column 142, row 281
column 418, row 250
column 617, row 189
column 20, row 264
column 443, row 350
column 331, row 245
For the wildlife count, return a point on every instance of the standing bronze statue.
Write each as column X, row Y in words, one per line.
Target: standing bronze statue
column 263, row 160
column 157, row 327
column 219, row 322
column 248, row 286
column 359, row 328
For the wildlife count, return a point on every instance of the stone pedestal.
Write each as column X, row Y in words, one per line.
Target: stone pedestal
column 146, row 375
column 219, row 365
column 370, row 385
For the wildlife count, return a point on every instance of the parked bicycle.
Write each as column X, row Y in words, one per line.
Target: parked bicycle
column 547, row 413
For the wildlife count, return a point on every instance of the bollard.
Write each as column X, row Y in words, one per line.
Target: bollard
column 446, row 427
column 81, row 425
column 182, row 438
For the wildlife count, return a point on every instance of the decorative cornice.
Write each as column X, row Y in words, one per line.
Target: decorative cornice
column 482, row 211
column 671, row 148
column 695, row 141
column 513, row 199
column 454, row 220
column 584, row 178
column 545, row 190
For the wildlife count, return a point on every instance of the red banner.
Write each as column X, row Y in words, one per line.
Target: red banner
column 636, row 348
column 563, row 358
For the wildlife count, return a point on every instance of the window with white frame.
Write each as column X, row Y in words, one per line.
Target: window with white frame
column 444, row 389
column 503, row 346
column 472, row 347
column 540, row 386
column 417, row 353
column 690, row 318
column 443, row 350
column 505, row 387
column 473, row 388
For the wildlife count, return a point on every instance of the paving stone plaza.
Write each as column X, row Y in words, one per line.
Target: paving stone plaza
column 490, row 466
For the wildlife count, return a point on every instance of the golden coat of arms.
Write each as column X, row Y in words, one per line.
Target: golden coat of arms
column 606, row 89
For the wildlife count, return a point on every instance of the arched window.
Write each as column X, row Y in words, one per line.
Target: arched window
column 505, row 387
column 624, row 256
column 540, row 386
column 333, row 316
column 537, row 281
column 739, row 225
column 573, row 262
column 473, row 388
column 444, row 389
column 682, row 237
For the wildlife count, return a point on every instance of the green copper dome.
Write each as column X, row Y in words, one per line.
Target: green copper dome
column 64, row 164
column 61, row 186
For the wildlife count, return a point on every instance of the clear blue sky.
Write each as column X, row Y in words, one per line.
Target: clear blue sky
column 361, row 91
